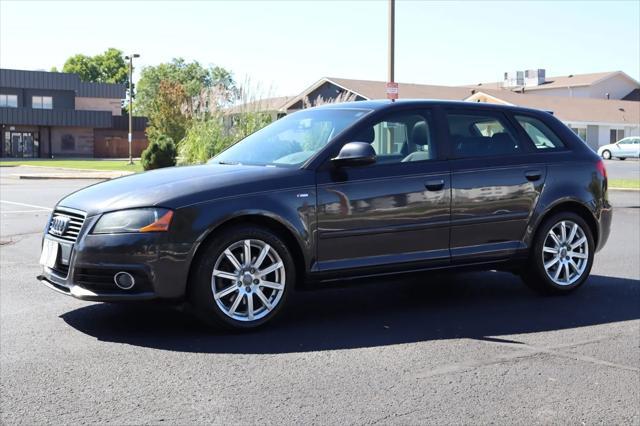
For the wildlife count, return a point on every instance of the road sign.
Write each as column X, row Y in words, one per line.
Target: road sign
column 392, row 90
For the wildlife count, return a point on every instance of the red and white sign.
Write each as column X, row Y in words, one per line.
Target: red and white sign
column 392, row 90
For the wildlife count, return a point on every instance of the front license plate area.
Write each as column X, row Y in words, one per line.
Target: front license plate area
column 49, row 254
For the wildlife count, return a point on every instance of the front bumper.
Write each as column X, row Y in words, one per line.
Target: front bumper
column 85, row 268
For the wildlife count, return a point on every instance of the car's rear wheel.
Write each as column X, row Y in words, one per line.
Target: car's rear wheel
column 606, row 154
column 242, row 278
column 562, row 254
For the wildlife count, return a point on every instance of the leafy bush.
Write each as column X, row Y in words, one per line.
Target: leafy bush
column 206, row 138
column 161, row 152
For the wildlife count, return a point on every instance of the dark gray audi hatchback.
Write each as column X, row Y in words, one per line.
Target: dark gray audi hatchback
column 338, row 192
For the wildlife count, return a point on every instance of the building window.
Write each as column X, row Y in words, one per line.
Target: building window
column 9, row 101
column 42, row 102
column 615, row 135
column 68, row 143
column 581, row 132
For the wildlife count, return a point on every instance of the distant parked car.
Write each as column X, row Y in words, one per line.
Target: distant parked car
column 624, row 148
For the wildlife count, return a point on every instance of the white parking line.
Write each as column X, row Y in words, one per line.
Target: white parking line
column 23, row 211
column 26, row 205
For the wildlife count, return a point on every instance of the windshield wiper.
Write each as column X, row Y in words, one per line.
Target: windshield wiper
column 228, row 163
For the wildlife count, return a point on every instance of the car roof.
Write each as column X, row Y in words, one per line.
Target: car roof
column 385, row 104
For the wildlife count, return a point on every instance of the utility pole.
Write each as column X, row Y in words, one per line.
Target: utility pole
column 392, row 87
column 130, row 58
column 392, row 36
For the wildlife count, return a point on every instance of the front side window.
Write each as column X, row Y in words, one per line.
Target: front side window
column 292, row 140
column 400, row 138
column 8, row 101
column 541, row 135
column 42, row 102
column 480, row 135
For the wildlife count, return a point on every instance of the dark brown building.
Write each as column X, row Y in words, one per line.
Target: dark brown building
column 55, row 115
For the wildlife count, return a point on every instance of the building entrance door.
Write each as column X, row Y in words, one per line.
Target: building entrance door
column 21, row 145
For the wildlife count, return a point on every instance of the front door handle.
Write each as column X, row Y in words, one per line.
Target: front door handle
column 533, row 175
column 434, row 185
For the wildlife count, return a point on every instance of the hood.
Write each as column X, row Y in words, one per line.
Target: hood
column 177, row 187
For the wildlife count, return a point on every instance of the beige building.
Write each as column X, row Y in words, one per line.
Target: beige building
column 603, row 85
column 601, row 108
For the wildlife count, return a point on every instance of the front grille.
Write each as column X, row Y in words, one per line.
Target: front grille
column 71, row 231
column 60, row 269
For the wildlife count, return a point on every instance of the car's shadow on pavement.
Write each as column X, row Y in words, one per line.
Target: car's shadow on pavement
column 474, row 305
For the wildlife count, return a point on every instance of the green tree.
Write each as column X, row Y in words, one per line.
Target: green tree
column 82, row 65
column 107, row 67
column 165, row 112
column 176, row 93
column 112, row 66
column 198, row 83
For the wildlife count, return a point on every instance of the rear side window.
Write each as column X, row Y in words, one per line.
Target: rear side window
column 479, row 135
column 541, row 135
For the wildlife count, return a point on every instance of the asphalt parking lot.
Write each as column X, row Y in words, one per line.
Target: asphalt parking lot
column 447, row 349
column 627, row 169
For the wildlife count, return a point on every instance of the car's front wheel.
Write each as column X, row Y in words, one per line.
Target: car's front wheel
column 562, row 254
column 242, row 278
column 606, row 154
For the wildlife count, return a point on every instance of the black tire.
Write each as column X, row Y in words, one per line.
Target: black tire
column 622, row 158
column 200, row 293
column 535, row 275
column 606, row 154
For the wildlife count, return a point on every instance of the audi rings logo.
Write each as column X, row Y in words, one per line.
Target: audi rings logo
column 59, row 225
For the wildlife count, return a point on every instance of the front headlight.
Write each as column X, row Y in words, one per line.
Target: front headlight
column 134, row 220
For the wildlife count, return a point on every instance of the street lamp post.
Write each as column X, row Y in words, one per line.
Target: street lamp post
column 130, row 58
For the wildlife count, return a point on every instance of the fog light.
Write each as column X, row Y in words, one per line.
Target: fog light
column 124, row 280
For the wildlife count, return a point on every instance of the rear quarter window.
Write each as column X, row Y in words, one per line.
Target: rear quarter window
column 481, row 134
column 540, row 134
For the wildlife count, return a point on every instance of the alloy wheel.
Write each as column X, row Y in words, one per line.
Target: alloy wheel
column 565, row 253
column 248, row 280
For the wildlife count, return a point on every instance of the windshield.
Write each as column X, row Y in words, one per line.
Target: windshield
column 291, row 140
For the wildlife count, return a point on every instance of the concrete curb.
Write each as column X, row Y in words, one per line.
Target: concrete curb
column 624, row 189
column 25, row 177
column 71, row 169
column 83, row 176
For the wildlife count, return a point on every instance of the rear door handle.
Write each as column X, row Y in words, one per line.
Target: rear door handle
column 434, row 185
column 533, row 175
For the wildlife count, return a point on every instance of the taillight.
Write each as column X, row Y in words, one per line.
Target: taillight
column 601, row 168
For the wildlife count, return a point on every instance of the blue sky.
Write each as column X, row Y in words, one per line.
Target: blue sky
column 288, row 45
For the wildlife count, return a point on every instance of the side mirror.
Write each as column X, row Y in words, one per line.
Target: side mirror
column 355, row 154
